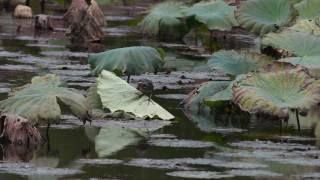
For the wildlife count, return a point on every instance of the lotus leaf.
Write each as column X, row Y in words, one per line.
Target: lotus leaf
column 195, row 100
column 276, row 89
column 235, row 63
column 216, row 15
column 308, row 9
column 40, row 102
column 308, row 26
column 94, row 103
column 164, row 18
column 113, row 138
column 264, row 16
column 298, row 43
column 223, row 95
column 117, row 95
column 302, row 44
column 129, row 61
column 49, row 79
column 312, row 63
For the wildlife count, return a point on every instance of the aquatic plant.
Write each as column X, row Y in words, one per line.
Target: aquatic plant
column 41, row 101
column 216, row 15
column 304, row 47
column 117, row 95
column 235, row 63
column 264, row 16
column 127, row 61
column 165, row 19
column 276, row 89
column 308, row 9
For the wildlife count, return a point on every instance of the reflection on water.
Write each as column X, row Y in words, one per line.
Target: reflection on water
column 231, row 134
column 17, row 153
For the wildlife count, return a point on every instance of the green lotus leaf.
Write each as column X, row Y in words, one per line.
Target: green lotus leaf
column 223, row 95
column 298, row 43
column 264, row 16
column 216, row 15
column 40, row 102
column 164, row 18
column 308, row 9
column 276, row 89
column 113, row 138
column 308, row 26
column 195, row 100
column 312, row 63
column 117, row 95
column 49, row 78
column 94, row 103
column 235, row 63
column 129, row 61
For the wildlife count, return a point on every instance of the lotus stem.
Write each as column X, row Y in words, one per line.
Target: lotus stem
column 298, row 121
column 128, row 79
column 48, row 137
column 280, row 127
column 211, row 36
column 42, row 3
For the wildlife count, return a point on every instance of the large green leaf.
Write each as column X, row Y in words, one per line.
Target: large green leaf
column 301, row 44
column 117, row 95
column 40, row 102
column 276, row 89
column 298, row 43
column 164, row 18
column 308, row 26
column 195, row 100
column 223, row 95
column 308, row 9
column 235, row 63
column 263, row 16
column 129, row 61
column 113, row 138
column 312, row 63
column 216, row 15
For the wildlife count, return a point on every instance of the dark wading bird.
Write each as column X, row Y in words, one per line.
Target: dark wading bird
column 146, row 87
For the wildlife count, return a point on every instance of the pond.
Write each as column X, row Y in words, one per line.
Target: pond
column 226, row 144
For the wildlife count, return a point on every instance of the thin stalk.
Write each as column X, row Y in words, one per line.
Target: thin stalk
column 128, row 79
column 48, row 138
column 211, row 36
column 42, row 6
column 298, row 121
column 280, row 127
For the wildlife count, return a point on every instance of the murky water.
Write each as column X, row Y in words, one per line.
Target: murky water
column 224, row 144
